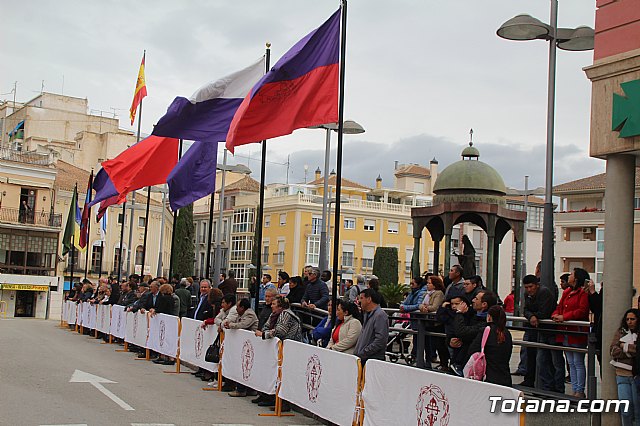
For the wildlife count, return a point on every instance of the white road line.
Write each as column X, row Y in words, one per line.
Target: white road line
column 73, row 424
column 152, row 424
column 83, row 377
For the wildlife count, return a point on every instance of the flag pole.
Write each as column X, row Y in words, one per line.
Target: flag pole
column 86, row 256
column 124, row 214
column 336, row 237
column 73, row 243
column 173, row 232
column 210, row 236
column 263, row 168
column 146, row 228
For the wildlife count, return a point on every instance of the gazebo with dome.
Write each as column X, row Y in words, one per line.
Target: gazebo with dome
column 469, row 191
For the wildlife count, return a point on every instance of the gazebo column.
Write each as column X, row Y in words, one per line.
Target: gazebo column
column 518, row 279
column 436, row 256
column 496, row 270
column 415, row 259
column 490, row 264
column 447, row 252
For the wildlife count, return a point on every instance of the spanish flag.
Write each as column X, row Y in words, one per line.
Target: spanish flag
column 140, row 92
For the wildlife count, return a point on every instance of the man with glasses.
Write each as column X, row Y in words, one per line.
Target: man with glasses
column 316, row 294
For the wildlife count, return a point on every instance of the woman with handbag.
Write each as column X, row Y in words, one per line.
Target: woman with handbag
column 433, row 299
column 623, row 356
column 497, row 349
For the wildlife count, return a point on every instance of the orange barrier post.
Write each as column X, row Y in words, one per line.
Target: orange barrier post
column 359, row 400
column 178, row 354
column 126, row 347
column 278, row 408
column 219, row 388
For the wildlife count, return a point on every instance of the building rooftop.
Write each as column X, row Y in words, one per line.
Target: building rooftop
column 590, row 183
column 247, row 183
column 413, row 169
column 68, row 175
column 346, row 183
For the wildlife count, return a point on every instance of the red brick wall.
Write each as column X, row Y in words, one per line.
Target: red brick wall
column 617, row 27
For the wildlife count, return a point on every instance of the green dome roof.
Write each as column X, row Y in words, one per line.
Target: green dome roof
column 470, row 179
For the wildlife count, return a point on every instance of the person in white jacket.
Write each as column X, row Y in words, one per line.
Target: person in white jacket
column 345, row 334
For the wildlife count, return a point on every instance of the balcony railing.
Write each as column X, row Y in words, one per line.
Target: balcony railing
column 279, row 258
column 24, row 157
column 18, row 216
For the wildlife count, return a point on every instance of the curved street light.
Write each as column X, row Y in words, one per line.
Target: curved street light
column 524, row 28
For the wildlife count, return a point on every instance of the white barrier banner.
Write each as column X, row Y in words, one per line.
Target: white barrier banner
column 250, row 360
column 194, row 342
column 118, row 321
column 64, row 315
column 93, row 316
column 401, row 395
column 163, row 334
column 319, row 380
column 104, row 318
column 83, row 318
column 73, row 313
column 136, row 331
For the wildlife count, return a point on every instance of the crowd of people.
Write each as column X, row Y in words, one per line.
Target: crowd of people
column 458, row 308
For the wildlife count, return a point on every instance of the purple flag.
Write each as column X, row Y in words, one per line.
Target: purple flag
column 104, row 188
column 194, row 176
column 207, row 114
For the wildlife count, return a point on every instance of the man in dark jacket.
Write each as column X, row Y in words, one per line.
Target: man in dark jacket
column 296, row 290
column 467, row 326
column 265, row 312
column 372, row 342
column 316, row 294
column 127, row 295
column 539, row 304
column 203, row 309
column 229, row 285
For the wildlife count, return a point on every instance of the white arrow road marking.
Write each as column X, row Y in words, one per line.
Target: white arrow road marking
column 82, row 377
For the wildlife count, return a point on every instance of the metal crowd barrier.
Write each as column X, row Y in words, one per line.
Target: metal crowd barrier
column 310, row 317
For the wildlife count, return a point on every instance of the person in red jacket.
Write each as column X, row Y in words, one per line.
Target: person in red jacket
column 574, row 306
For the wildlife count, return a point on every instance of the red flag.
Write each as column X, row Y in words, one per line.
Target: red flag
column 86, row 210
column 140, row 92
column 146, row 163
column 301, row 90
column 104, row 205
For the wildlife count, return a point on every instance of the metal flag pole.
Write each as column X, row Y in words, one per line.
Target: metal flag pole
column 173, row 232
column 73, row 243
column 101, row 257
column 210, row 234
column 261, row 205
column 336, row 237
column 146, row 228
column 120, row 259
column 86, row 256
column 217, row 259
column 160, row 255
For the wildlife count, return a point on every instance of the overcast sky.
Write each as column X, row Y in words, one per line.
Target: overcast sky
column 419, row 74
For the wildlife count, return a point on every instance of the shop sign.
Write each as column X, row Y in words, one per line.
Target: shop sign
column 27, row 287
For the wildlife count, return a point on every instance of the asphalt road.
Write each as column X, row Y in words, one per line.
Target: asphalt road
column 38, row 360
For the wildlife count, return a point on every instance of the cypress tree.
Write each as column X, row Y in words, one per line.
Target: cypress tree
column 385, row 265
column 184, row 250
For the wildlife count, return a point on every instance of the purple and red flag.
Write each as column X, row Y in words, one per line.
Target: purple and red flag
column 86, row 213
column 301, row 90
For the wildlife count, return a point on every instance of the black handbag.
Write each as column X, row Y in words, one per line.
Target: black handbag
column 213, row 352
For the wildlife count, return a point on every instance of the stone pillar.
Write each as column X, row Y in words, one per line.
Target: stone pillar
column 518, row 279
column 436, row 257
column 490, row 255
column 447, row 253
column 415, row 259
column 618, row 261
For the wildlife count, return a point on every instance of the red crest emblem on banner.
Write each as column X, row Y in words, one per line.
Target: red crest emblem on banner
column 247, row 359
column 162, row 333
column 432, row 407
column 314, row 373
column 198, row 342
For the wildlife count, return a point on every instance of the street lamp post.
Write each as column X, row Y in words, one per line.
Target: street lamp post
column 240, row 168
column 350, row 127
column 524, row 28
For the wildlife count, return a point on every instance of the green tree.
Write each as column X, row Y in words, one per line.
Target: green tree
column 184, row 249
column 385, row 265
